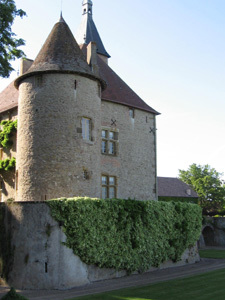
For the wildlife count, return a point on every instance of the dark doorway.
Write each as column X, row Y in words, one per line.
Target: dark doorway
column 208, row 235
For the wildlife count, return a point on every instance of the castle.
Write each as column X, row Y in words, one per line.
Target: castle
column 82, row 131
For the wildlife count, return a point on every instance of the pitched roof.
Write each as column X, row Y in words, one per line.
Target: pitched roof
column 87, row 31
column 117, row 90
column 9, row 98
column 173, row 187
column 60, row 53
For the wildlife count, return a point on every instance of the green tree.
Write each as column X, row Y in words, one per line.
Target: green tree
column 9, row 44
column 209, row 186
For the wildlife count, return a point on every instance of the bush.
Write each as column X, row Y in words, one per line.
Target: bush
column 12, row 295
column 127, row 234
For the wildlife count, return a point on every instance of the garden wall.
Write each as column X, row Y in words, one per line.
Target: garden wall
column 213, row 232
column 33, row 256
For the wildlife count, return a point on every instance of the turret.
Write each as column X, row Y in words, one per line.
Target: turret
column 87, row 7
column 59, row 121
column 87, row 31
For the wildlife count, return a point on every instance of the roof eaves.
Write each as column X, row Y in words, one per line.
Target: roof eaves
column 151, row 110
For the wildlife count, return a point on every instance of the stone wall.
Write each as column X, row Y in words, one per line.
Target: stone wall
column 135, row 162
column 213, row 232
column 53, row 158
column 8, row 178
column 52, row 155
column 38, row 258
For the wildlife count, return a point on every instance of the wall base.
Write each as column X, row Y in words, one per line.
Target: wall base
column 41, row 261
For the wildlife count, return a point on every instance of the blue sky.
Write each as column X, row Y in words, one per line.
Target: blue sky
column 170, row 52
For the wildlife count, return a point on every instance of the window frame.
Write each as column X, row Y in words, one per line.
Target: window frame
column 86, row 129
column 131, row 112
column 110, row 142
column 108, row 185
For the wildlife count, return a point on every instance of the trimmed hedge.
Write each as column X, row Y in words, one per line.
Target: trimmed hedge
column 127, row 234
column 179, row 199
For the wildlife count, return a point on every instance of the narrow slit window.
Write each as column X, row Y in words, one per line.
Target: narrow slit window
column 131, row 113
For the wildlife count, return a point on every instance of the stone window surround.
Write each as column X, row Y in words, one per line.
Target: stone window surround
column 86, row 126
column 109, row 143
column 110, row 185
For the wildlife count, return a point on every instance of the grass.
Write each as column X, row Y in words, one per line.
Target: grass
column 208, row 286
column 212, row 253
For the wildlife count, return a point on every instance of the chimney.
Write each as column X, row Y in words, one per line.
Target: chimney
column 92, row 57
column 25, row 64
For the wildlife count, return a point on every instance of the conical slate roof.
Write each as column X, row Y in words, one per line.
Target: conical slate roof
column 60, row 53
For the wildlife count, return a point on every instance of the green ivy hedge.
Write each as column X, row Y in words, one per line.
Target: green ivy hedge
column 8, row 128
column 12, row 295
column 127, row 234
column 8, row 164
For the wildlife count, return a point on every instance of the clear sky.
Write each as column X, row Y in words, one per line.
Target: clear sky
column 170, row 52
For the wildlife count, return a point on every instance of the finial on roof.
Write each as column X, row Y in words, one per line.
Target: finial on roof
column 87, row 7
column 87, row 31
column 61, row 18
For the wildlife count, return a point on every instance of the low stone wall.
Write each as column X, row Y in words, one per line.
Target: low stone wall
column 213, row 232
column 39, row 260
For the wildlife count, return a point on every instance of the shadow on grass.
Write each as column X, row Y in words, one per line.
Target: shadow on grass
column 208, row 286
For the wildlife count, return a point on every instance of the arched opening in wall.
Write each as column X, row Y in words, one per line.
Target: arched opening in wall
column 208, row 235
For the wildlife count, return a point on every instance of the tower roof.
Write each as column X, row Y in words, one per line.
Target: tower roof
column 60, row 53
column 87, row 32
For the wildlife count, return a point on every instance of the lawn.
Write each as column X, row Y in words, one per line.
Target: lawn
column 208, row 286
column 212, row 253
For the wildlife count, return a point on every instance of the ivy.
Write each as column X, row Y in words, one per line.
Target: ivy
column 7, row 164
column 12, row 295
column 127, row 234
column 8, row 128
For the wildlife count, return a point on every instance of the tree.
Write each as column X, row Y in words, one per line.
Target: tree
column 9, row 44
column 209, row 186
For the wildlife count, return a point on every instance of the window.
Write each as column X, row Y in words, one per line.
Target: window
column 131, row 113
column 99, row 90
column 86, row 129
column 108, row 187
column 38, row 81
column 109, row 142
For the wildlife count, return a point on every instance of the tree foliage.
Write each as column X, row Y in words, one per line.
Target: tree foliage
column 9, row 44
column 209, row 186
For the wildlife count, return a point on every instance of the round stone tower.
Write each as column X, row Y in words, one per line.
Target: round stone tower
column 59, row 122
